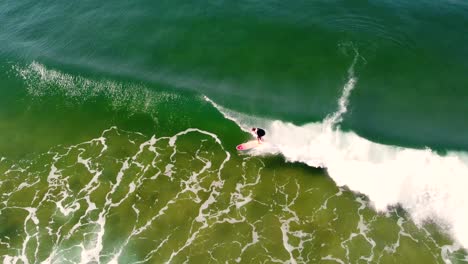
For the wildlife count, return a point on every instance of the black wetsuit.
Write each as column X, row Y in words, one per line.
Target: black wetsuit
column 260, row 132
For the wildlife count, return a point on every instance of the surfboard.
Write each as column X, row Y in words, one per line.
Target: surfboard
column 248, row 145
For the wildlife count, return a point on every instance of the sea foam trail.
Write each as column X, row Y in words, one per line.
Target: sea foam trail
column 337, row 116
column 429, row 186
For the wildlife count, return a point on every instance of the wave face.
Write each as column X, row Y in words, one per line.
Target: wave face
column 277, row 54
column 126, row 197
column 79, row 183
column 431, row 187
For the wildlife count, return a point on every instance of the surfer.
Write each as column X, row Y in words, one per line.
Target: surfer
column 260, row 133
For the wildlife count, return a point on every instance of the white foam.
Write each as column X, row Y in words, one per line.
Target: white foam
column 42, row 81
column 427, row 185
column 343, row 102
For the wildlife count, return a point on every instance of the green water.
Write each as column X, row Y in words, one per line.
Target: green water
column 111, row 154
column 209, row 207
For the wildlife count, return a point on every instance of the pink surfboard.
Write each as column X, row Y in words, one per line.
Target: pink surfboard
column 248, row 145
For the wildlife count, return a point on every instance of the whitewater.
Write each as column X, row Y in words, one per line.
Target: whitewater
column 429, row 186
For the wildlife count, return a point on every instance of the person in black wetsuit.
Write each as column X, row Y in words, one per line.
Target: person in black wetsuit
column 260, row 133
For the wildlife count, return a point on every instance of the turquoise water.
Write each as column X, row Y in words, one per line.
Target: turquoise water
column 119, row 123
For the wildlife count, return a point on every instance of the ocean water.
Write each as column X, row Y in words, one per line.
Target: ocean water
column 119, row 121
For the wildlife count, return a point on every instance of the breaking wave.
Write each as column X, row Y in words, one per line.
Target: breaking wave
column 42, row 82
column 431, row 187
